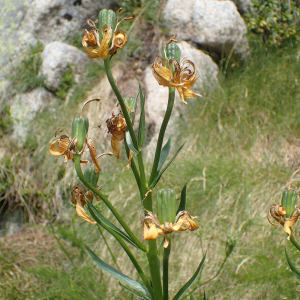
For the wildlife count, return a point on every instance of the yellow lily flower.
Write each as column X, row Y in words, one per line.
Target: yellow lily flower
column 183, row 79
column 117, row 127
column 91, row 38
column 66, row 146
column 152, row 227
column 78, row 195
column 278, row 213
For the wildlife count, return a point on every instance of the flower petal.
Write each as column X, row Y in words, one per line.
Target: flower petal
column 150, row 231
column 60, row 149
column 81, row 213
column 93, row 154
column 115, row 146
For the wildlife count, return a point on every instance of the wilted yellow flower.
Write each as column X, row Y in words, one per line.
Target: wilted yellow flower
column 78, row 195
column 152, row 227
column 118, row 39
column 278, row 213
column 66, row 146
column 117, row 127
column 183, row 79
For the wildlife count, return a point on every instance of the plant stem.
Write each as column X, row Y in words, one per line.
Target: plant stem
column 121, row 101
column 130, row 255
column 107, row 202
column 166, row 257
column 153, row 260
column 105, row 241
column 162, row 134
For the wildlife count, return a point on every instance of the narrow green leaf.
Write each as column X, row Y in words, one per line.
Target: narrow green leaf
column 294, row 242
column 204, row 298
column 130, row 143
column 131, row 102
column 99, row 218
column 164, row 154
column 142, row 126
column 133, row 292
column 188, row 284
column 156, row 180
column 182, row 204
column 292, row 266
column 118, row 275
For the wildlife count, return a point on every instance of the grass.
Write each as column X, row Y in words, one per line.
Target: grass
column 242, row 147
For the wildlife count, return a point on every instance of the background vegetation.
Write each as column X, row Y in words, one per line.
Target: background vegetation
column 240, row 154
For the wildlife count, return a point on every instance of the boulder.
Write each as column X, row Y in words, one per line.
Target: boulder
column 24, row 108
column 23, row 22
column 213, row 25
column 57, row 58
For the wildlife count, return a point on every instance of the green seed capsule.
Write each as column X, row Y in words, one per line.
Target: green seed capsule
column 106, row 17
column 166, row 205
column 288, row 201
column 91, row 176
column 171, row 51
column 80, row 127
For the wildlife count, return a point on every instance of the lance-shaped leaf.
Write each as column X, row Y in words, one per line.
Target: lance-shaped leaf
column 295, row 243
column 292, row 266
column 182, row 204
column 192, row 279
column 130, row 143
column 156, row 180
column 99, row 218
column 164, row 154
column 142, row 126
column 118, row 275
column 134, row 292
column 131, row 107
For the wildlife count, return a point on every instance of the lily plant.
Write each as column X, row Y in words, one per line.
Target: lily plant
column 166, row 216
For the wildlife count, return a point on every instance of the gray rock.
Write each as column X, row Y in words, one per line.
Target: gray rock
column 24, row 108
column 57, row 57
column 213, row 25
column 23, row 22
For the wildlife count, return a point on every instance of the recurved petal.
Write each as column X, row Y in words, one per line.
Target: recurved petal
column 162, row 74
column 81, row 213
column 150, row 231
column 119, row 41
column 60, row 149
column 93, row 154
column 104, row 45
column 190, row 94
column 115, row 146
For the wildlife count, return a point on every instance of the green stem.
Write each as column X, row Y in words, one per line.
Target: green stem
column 166, row 257
column 130, row 255
column 162, row 134
column 208, row 279
column 105, row 241
column 120, row 99
column 61, row 245
column 133, row 167
column 107, row 202
column 153, row 259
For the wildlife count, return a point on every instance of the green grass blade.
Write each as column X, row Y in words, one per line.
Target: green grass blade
column 188, row 284
column 182, row 204
column 164, row 154
column 134, row 292
column 130, row 144
column 118, row 275
column 292, row 266
column 204, row 297
column 142, row 126
column 99, row 218
column 156, row 180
